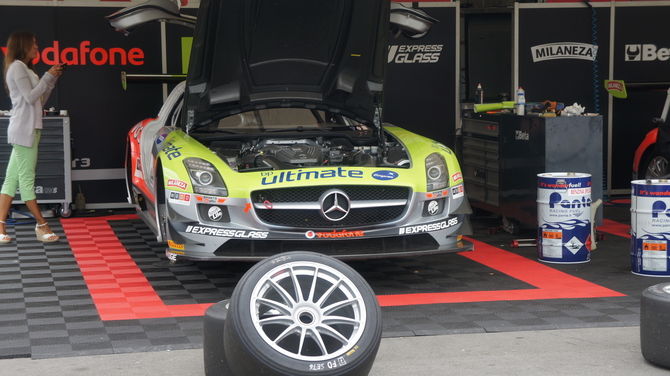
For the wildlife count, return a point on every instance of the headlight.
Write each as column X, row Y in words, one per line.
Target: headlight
column 437, row 173
column 205, row 178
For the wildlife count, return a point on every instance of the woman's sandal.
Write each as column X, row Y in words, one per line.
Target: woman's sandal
column 46, row 238
column 4, row 238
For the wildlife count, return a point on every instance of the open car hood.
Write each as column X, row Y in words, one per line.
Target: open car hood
column 251, row 54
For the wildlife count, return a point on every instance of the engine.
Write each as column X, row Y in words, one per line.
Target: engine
column 282, row 154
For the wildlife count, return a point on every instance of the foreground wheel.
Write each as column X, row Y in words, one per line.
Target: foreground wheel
column 655, row 324
column 302, row 313
column 216, row 363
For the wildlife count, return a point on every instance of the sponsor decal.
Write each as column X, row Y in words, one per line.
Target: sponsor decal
column 441, row 147
column 180, row 198
column 161, row 138
column 560, row 183
column 174, row 245
column 564, row 50
column 215, row 213
column 385, row 175
column 137, row 130
column 557, row 201
column 521, row 135
column 457, row 176
column 210, row 199
column 457, row 191
column 410, row 54
column 443, row 193
column 172, row 254
column 171, row 151
column 615, row 85
column 428, row 227
column 40, row 190
column 177, row 183
column 334, row 234
column 226, row 233
column 646, row 52
column 83, row 54
column 300, row 175
column 433, row 207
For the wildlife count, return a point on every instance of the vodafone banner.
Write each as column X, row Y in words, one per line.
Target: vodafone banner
column 101, row 112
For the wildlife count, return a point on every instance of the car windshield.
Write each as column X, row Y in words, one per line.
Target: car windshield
column 282, row 119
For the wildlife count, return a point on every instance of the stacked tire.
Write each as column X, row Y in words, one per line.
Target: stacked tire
column 298, row 313
column 655, row 324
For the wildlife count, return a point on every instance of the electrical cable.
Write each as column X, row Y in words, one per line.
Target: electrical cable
column 14, row 222
column 596, row 85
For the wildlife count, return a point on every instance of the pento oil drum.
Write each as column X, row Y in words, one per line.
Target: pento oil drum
column 564, row 217
column 650, row 227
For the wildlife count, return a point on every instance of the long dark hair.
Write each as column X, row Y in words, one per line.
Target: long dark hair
column 18, row 48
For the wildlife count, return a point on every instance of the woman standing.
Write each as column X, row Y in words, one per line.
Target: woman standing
column 28, row 94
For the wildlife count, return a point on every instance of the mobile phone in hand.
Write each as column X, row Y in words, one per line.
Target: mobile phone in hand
column 63, row 66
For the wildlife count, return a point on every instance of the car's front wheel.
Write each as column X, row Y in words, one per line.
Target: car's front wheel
column 655, row 166
column 302, row 313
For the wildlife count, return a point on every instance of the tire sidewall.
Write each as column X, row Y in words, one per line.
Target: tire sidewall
column 240, row 331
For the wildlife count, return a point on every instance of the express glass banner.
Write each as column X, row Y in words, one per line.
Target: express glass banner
column 420, row 92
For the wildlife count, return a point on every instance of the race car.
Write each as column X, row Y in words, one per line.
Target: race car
column 275, row 141
column 648, row 163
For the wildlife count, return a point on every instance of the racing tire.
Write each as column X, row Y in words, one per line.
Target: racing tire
column 333, row 326
column 654, row 166
column 216, row 363
column 655, row 324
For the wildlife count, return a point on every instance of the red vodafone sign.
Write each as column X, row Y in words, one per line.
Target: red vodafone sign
column 86, row 54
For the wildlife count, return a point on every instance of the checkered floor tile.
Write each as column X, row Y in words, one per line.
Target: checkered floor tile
column 106, row 288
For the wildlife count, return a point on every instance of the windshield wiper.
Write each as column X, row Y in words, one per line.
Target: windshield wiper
column 299, row 128
column 215, row 131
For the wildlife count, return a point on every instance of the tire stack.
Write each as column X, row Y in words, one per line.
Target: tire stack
column 655, row 324
column 297, row 313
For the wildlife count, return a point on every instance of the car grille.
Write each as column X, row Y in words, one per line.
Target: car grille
column 370, row 205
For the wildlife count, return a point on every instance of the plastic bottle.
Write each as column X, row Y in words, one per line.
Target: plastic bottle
column 479, row 94
column 520, row 101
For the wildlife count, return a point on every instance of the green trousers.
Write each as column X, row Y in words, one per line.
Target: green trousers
column 21, row 170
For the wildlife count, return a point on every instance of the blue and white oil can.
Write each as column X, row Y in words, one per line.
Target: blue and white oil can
column 564, row 217
column 650, row 227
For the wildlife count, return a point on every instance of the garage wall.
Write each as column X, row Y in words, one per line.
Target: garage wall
column 549, row 73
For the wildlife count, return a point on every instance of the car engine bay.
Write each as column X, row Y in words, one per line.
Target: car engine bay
column 277, row 153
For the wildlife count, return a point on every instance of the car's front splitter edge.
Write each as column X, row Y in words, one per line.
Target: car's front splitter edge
column 459, row 246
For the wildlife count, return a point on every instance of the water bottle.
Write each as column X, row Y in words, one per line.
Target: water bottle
column 479, row 94
column 520, row 101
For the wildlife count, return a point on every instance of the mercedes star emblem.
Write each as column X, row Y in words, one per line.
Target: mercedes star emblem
column 335, row 205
